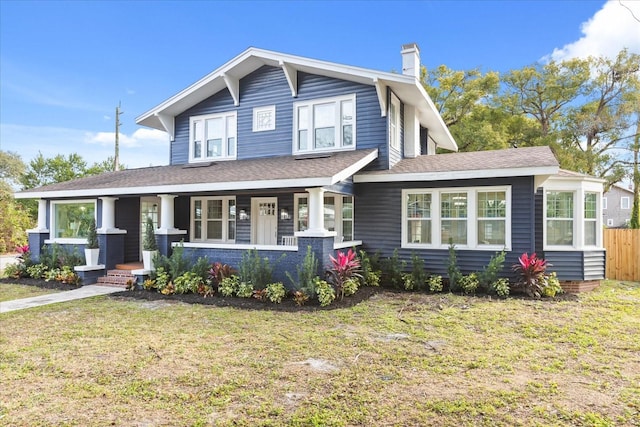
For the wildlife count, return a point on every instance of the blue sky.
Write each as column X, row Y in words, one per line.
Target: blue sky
column 65, row 66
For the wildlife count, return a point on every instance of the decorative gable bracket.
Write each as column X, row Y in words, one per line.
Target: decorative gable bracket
column 292, row 77
column 233, row 84
column 382, row 96
column 168, row 123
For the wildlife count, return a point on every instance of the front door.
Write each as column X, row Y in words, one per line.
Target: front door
column 265, row 223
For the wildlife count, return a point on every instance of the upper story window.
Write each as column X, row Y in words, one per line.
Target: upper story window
column 213, row 137
column 326, row 124
column 72, row 219
column 394, row 122
column 625, row 203
column 476, row 218
column 604, row 203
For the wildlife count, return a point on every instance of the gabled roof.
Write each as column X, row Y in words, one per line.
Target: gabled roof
column 531, row 161
column 228, row 76
column 250, row 174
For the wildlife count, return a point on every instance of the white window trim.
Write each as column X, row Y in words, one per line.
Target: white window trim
column 338, row 204
column 204, row 118
column 395, row 101
column 622, row 203
column 225, row 219
column 52, row 216
column 472, row 218
column 604, row 203
column 579, row 188
column 271, row 109
column 338, row 131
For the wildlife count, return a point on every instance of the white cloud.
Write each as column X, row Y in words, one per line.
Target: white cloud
column 144, row 147
column 611, row 29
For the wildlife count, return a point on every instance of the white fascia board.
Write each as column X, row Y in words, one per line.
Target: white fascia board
column 182, row 188
column 470, row 174
column 346, row 173
column 291, row 74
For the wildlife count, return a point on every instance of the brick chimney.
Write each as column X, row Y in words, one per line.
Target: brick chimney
column 411, row 60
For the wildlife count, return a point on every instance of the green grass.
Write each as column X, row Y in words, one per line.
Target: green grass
column 11, row 292
column 397, row 359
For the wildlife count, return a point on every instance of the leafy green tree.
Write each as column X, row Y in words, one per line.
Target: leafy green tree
column 14, row 218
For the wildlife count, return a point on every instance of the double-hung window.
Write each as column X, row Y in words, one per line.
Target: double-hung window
column 560, row 218
column 474, row 218
column 338, row 215
column 590, row 219
column 213, row 137
column 213, row 219
column 325, row 124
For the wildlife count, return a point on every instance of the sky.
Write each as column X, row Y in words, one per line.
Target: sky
column 66, row 66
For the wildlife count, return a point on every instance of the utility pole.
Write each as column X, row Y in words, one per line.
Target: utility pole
column 116, row 159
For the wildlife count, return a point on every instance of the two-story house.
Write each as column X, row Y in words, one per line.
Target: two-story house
column 617, row 206
column 280, row 152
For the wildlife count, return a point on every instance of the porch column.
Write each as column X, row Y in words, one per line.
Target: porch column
column 166, row 211
column 108, row 222
column 42, row 216
column 167, row 234
column 316, row 215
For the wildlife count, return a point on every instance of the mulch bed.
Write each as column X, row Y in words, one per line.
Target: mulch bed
column 52, row 284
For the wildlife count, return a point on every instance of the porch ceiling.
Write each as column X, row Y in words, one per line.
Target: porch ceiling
column 263, row 173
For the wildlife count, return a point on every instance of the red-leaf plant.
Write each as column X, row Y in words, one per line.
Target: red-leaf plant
column 531, row 270
column 220, row 271
column 343, row 267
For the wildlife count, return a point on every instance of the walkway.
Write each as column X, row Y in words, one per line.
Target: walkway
column 83, row 292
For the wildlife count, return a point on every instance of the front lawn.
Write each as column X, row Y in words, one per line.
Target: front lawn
column 395, row 359
column 11, row 292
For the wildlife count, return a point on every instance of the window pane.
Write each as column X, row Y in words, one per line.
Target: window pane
column 214, row 230
column 303, row 214
column 456, row 230
column 324, row 116
column 231, row 147
column 231, row 136
column 197, row 209
column 232, row 209
column 347, row 207
column 559, row 204
column 419, row 206
column 419, row 231
column 303, row 138
column 492, row 204
column 72, row 220
column 491, row 232
column 590, row 233
column 214, row 209
column 453, row 205
column 197, row 229
column 329, row 213
column 214, row 147
column 197, row 149
column 347, row 135
column 590, row 205
column 560, row 232
column 198, row 136
column 232, row 230
column 303, row 118
column 324, row 137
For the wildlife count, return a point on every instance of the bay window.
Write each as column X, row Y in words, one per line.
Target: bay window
column 559, row 218
column 213, row 137
column 213, row 219
column 590, row 219
column 477, row 218
column 72, row 219
column 324, row 124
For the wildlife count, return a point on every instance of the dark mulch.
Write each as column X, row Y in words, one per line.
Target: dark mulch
column 52, row 284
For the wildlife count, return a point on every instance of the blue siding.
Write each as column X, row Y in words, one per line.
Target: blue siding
column 539, row 209
column 128, row 218
column 268, row 86
column 567, row 264
column 378, row 210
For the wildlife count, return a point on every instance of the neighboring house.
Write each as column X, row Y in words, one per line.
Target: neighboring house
column 280, row 152
column 617, row 204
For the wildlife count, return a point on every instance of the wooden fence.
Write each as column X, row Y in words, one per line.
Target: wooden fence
column 623, row 254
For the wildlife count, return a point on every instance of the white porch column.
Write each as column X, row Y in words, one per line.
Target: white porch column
column 166, row 212
column 42, row 216
column 316, row 215
column 108, row 214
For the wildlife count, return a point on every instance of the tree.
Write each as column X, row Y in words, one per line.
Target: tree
column 635, row 213
column 14, row 219
column 11, row 168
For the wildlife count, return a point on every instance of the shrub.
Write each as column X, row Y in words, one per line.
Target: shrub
column 92, row 236
column 300, row 297
column 408, row 281
column 188, row 282
column 162, row 278
column 15, row 271
column 56, row 256
column 205, row 290
column 276, row 292
column 245, row 290
column 219, row 271
column 37, row 271
column 149, row 284
column 68, row 276
column 229, row 285
column 343, row 268
column 326, row 293
column 201, row 268
column 51, row 274
column 417, row 272
column 500, row 287
column 149, row 241
column 256, row 270
column 452, row 268
column 531, row 270
column 468, row 283
column 306, row 272
column 490, row 273
column 552, row 287
column 435, row 283
column 392, row 270
column 260, row 294
column 350, row 286
column 372, row 278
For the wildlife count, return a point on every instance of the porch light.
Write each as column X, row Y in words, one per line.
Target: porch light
column 244, row 216
column 284, row 214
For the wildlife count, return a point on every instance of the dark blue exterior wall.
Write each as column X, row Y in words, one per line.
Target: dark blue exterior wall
column 268, row 86
column 128, row 218
column 378, row 210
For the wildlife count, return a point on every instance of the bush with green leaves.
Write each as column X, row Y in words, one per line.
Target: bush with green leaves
column 162, row 278
column 306, row 272
column 245, row 290
column 300, row 297
column 255, row 269
column 434, row 283
column 176, row 264
column 325, row 292
column 229, row 286
column 92, row 236
column 370, row 266
column 491, row 271
column 500, row 287
column 392, row 269
column 149, row 241
column 469, row 283
column 56, row 256
column 552, row 287
column 37, row 271
column 187, row 283
column 16, row 270
column 350, row 286
column 418, row 272
column 452, row 269
column 408, row 282
column 276, row 292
